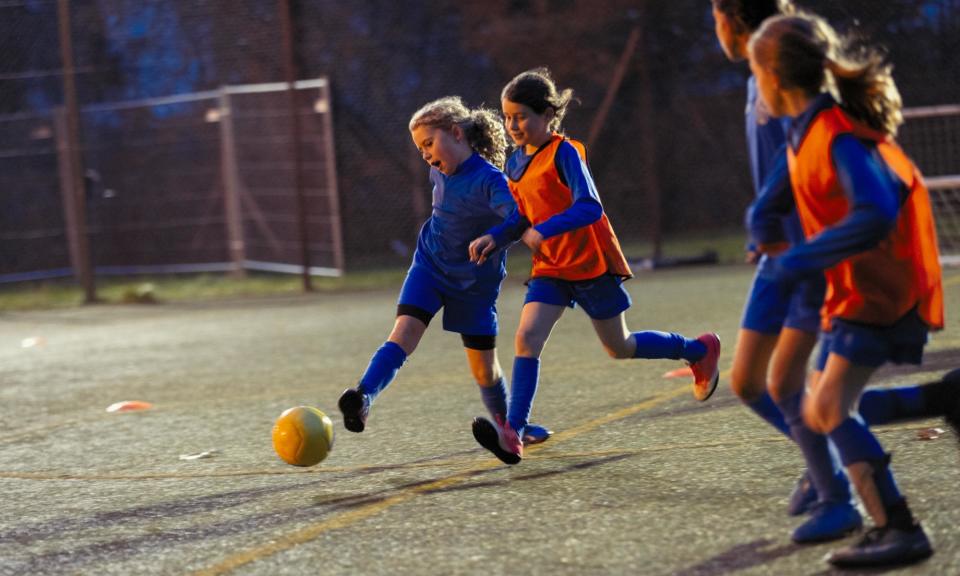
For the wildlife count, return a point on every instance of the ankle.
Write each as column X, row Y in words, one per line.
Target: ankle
column 900, row 517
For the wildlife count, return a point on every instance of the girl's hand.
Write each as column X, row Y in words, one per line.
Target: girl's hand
column 481, row 247
column 532, row 239
column 773, row 249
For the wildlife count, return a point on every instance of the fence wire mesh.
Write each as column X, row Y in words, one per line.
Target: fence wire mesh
column 669, row 157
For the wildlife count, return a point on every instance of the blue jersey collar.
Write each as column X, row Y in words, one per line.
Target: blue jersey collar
column 469, row 165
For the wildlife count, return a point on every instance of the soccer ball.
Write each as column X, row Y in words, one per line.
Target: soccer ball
column 303, row 436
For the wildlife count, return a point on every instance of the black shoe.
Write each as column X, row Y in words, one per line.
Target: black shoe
column 488, row 436
column 884, row 547
column 355, row 406
column 952, row 416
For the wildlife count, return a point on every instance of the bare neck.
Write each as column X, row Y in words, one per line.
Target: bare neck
column 795, row 102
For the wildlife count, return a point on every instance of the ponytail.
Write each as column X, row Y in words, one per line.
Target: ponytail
column 481, row 126
column 806, row 53
column 867, row 90
column 486, row 136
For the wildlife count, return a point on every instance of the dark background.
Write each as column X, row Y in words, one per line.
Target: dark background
column 673, row 138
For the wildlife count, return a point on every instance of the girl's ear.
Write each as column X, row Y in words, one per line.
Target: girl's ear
column 457, row 132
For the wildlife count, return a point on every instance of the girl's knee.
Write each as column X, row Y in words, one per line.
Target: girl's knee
column 618, row 352
column 747, row 389
column 820, row 414
column 528, row 343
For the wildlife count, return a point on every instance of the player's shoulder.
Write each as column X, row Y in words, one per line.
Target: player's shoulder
column 570, row 147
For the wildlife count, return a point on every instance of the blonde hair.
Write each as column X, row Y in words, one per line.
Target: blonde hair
column 805, row 52
column 481, row 126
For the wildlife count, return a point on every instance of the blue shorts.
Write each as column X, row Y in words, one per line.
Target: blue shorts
column 472, row 311
column 769, row 308
column 866, row 345
column 601, row 298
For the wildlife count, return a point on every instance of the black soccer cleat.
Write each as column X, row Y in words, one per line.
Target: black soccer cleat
column 355, row 407
column 952, row 416
column 886, row 546
column 487, row 435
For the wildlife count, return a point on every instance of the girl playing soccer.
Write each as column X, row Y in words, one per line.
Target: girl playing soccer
column 866, row 214
column 576, row 258
column 464, row 148
column 779, row 328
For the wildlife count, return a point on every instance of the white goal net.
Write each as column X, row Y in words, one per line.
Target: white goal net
column 931, row 136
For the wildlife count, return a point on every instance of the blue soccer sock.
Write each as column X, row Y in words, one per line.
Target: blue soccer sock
column 526, row 376
column 825, row 473
column 382, row 369
column 495, row 398
column 886, row 405
column 856, row 443
column 654, row 344
column 766, row 408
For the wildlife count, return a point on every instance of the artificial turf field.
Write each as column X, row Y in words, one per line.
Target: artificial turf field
column 638, row 479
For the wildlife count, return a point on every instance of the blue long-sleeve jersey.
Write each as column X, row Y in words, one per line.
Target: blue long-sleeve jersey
column 575, row 175
column 465, row 205
column 772, row 216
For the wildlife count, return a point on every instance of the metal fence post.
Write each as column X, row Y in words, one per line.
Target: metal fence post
column 290, row 71
column 230, row 178
column 68, row 144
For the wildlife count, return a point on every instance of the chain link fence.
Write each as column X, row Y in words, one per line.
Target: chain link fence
column 668, row 156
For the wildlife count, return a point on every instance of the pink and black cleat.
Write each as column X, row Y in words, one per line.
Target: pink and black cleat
column 499, row 439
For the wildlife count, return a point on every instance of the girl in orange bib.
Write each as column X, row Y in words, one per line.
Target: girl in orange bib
column 869, row 227
column 577, row 259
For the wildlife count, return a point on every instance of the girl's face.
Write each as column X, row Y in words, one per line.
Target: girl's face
column 726, row 30
column 443, row 149
column 768, row 85
column 525, row 127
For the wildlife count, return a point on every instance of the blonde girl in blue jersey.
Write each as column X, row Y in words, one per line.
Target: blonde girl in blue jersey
column 577, row 260
column 464, row 149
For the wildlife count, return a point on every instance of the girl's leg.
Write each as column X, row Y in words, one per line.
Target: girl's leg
column 485, row 367
column 355, row 403
column 835, row 515
column 537, row 320
column 828, row 410
column 503, row 439
column 702, row 353
column 403, row 340
column 886, row 405
column 897, row 537
column 619, row 343
column 748, row 378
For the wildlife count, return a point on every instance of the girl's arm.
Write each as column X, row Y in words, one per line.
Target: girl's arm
column 514, row 222
column 586, row 208
column 510, row 230
column 774, row 202
column 874, row 194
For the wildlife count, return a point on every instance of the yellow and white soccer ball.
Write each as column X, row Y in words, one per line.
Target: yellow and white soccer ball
column 303, row 436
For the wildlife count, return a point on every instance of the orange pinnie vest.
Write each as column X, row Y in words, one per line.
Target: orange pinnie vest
column 579, row 254
column 880, row 285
